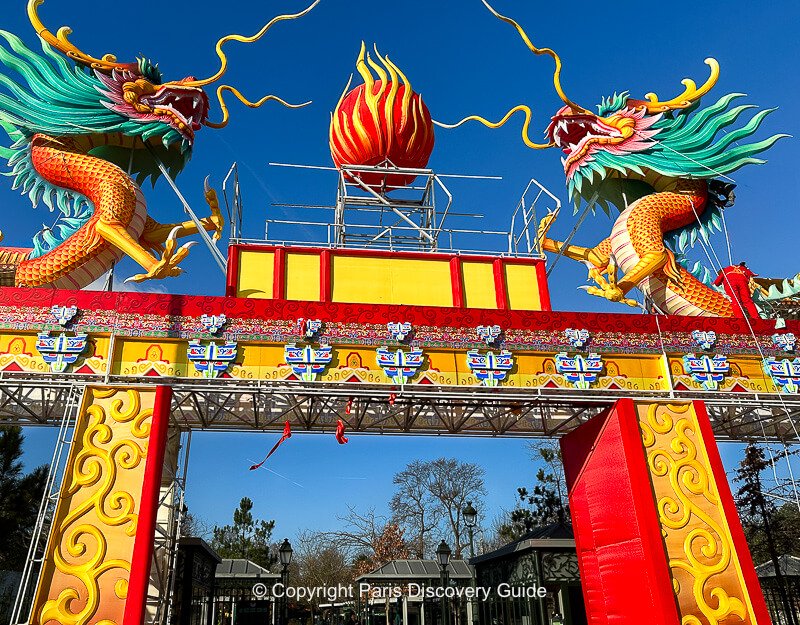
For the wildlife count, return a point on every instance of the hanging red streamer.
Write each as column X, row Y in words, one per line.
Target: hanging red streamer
column 340, row 437
column 287, row 433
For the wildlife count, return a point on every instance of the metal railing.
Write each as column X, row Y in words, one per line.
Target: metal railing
column 370, row 213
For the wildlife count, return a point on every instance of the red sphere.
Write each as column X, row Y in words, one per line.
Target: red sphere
column 394, row 125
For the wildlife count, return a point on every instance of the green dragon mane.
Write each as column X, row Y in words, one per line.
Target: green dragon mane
column 691, row 143
column 59, row 99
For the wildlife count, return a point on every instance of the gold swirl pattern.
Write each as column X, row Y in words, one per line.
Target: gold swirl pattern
column 87, row 564
column 706, row 572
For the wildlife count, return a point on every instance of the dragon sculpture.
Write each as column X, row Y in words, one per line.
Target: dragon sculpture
column 665, row 165
column 85, row 134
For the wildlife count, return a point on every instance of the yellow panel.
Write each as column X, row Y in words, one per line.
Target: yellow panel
column 256, row 270
column 156, row 357
column 478, row 279
column 391, row 281
column 302, row 277
column 745, row 374
column 522, row 286
column 707, row 574
column 87, row 564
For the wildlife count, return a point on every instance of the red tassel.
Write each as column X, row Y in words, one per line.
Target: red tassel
column 349, row 406
column 392, row 398
column 287, row 433
column 340, row 438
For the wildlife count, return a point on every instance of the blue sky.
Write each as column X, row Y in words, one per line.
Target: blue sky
column 463, row 61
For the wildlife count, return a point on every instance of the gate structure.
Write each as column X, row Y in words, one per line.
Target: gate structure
column 385, row 324
column 311, row 334
column 142, row 362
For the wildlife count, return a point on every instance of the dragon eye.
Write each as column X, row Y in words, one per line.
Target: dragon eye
column 149, row 70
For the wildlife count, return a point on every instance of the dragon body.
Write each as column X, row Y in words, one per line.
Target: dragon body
column 85, row 134
column 665, row 166
column 666, row 173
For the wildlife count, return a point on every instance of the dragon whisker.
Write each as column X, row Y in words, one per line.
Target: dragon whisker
column 254, row 105
column 242, row 39
column 526, row 124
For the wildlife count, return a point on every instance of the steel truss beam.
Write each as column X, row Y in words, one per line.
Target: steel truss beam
column 234, row 405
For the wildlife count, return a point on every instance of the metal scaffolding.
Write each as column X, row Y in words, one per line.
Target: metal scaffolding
column 240, row 405
column 418, row 217
column 71, row 397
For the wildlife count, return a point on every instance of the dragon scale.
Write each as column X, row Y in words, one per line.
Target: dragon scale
column 638, row 235
column 85, row 256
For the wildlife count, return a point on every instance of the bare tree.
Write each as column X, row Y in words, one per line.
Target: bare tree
column 194, row 526
column 359, row 534
column 452, row 484
column 321, row 563
column 414, row 507
column 431, row 498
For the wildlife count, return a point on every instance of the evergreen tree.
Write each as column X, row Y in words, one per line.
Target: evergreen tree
column 757, row 514
column 247, row 538
column 547, row 502
column 20, row 496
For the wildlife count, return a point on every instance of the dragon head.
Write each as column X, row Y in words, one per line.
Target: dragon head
column 146, row 123
column 141, row 96
column 612, row 156
column 581, row 134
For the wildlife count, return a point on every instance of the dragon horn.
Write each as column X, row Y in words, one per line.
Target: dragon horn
column 538, row 51
column 224, row 68
column 242, row 39
column 682, row 101
column 60, row 41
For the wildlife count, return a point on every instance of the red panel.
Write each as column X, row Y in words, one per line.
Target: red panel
column 194, row 306
column 500, row 284
column 325, row 276
column 141, row 561
column 232, row 276
column 456, row 283
column 279, row 274
column 624, row 570
column 732, row 516
column 543, row 286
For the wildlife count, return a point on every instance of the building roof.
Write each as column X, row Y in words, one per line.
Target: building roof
column 555, row 536
column 790, row 567
column 240, row 568
column 418, row 569
column 198, row 544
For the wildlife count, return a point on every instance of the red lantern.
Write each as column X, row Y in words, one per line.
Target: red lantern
column 379, row 121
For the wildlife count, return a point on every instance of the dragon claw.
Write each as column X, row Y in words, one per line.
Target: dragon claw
column 607, row 288
column 167, row 266
column 544, row 228
column 215, row 219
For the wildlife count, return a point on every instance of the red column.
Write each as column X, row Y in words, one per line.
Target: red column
column 279, row 274
column 325, row 276
column 656, row 529
column 624, row 570
column 142, row 559
column 456, row 282
column 500, row 284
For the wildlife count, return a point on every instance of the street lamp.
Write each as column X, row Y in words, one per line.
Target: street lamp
column 470, row 519
column 285, row 554
column 443, row 554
